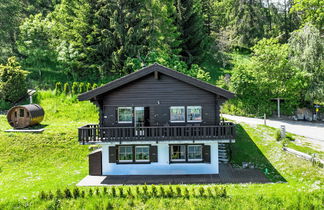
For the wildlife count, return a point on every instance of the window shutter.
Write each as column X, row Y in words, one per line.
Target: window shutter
column 154, row 154
column 206, row 153
column 112, row 154
column 116, row 114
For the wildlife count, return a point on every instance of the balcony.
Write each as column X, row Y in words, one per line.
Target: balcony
column 92, row 133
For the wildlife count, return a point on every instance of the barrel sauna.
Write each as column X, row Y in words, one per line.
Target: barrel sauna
column 25, row 115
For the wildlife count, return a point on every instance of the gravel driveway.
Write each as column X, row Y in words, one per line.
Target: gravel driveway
column 314, row 132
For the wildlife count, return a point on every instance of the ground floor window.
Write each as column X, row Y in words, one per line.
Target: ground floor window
column 125, row 154
column 133, row 153
column 186, row 153
column 142, row 153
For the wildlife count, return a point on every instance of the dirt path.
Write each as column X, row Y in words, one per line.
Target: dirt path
column 314, row 132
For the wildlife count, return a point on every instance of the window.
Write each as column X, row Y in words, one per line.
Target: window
column 186, row 153
column 178, row 153
column 177, row 114
column 142, row 153
column 194, row 153
column 21, row 112
column 125, row 114
column 194, row 114
column 125, row 154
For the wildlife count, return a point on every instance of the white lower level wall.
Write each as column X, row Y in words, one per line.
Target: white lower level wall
column 162, row 167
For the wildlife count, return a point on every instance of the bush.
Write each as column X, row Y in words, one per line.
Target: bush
column 67, row 193
column 162, row 192
column 42, row 195
column 278, row 135
column 113, row 191
column 94, row 86
column 88, row 87
column 59, row 194
column 13, row 83
column 178, row 191
column 121, row 192
column 90, row 192
column 154, row 191
column 76, row 193
column 66, row 89
column 58, row 88
column 186, row 192
column 75, row 88
column 81, row 87
column 201, row 191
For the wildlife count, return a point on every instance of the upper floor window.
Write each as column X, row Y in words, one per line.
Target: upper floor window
column 125, row 114
column 194, row 114
column 177, row 114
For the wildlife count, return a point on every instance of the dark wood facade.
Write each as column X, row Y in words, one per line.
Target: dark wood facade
column 159, row 96
column 156, row 89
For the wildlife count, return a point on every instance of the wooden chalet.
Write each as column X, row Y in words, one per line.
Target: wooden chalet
column 157, row 121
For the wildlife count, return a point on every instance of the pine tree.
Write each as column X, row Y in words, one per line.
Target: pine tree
column 191, row 26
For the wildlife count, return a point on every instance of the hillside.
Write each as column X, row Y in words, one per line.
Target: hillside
column 31, row 163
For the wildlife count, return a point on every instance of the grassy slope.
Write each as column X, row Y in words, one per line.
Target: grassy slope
column 33, row 162
column 30, row 163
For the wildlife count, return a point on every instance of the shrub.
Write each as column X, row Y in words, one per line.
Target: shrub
column 82, row 194
column 209, row 192
column 74, row 89
column 129, row 192
column 59, row 194
column 278, row 135
column 121, row 192
column 186, row 192
column 162, row 192
column 67, row 193
column 42, row 195
column 94, row 86
column 104, row 191
column 66, row 89
column 58, row 88
column 81, row 87
column 13, row 83
column 90, row 192
column 88, row 87
column 154, row 191
column 50, row 195
column 201, row 191
column 137, row 190
column 178, row 191
column 170, row 192
column 97, row 191
column 144, row 190
column 113, row 191
column 76, row 192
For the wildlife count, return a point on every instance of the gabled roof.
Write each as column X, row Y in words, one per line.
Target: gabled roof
column 148, row 70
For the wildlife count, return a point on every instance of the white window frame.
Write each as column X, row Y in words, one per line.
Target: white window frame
column 193, row 160
column 184, row 113
column 188, row 118
column 178, row 160
column 125, row 161
column 124, row 107
column 148, row 160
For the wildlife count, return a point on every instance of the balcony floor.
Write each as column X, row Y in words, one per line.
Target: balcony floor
column 227, row 175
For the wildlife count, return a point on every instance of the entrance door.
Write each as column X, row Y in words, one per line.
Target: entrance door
column 141, row 118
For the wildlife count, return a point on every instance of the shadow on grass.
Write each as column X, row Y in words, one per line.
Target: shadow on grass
column 245, row 150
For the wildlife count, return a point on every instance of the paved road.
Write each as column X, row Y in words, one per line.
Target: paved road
column 313, row 131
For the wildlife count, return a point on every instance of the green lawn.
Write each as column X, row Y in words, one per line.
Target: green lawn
column 30, row 163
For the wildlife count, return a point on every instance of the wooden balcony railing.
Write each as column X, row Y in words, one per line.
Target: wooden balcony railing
column 93, row 133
